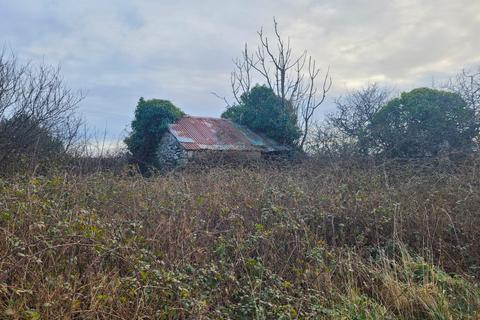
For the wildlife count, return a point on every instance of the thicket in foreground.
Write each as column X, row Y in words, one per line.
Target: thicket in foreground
column 306, row 242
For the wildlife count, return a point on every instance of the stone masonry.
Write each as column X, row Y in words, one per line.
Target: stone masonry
column 170, row 152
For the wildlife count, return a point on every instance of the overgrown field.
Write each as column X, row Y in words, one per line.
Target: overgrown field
column 310, row 241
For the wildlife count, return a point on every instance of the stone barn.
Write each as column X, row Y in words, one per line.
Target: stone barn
column 203, row 139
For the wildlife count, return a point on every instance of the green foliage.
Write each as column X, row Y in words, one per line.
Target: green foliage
column 264, row 112
column 356, row 306
column 421, row 122
column 152, row 118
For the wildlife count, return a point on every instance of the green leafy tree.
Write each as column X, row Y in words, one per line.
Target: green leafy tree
column 152, row 118
column 264, row 112
column 421, row 122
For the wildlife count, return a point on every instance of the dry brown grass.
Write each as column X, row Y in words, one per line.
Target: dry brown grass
column 307, row 241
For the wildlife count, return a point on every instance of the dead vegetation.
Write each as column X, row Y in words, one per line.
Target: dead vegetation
column 322, row 241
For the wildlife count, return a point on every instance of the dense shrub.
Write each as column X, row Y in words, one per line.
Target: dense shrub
column 151, row 121
column 263, row 111
column 422, row 122
column 399, row 241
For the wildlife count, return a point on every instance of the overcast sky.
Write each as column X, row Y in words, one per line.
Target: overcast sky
column 118, row 51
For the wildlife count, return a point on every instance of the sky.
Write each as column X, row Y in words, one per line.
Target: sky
column 118, row 51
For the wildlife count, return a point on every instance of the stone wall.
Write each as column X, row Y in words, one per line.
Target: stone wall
column 225, row 156
column 170, row 153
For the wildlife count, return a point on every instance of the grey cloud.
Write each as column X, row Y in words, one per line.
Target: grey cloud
column 182, row 50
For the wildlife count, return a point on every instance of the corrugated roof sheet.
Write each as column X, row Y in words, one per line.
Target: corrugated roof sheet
column 196, row 133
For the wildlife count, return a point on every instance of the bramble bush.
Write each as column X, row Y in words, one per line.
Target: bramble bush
column 317, row 241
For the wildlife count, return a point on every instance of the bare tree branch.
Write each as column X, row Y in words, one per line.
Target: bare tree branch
column 296, row 80
column 467, row 85
column 35, row 107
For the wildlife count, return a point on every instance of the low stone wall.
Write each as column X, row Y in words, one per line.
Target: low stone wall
column 212, row 157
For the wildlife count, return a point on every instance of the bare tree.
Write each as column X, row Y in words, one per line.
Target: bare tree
column 10, row 81
column 356, row 109
column 341, row 132
column 35, row 106
column 467, row 85
column 294, row 78
column 327, row 140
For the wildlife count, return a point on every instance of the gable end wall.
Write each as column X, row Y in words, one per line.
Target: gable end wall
column 170, row 152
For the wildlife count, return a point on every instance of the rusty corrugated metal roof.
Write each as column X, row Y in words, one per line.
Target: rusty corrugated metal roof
column 198, row 133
